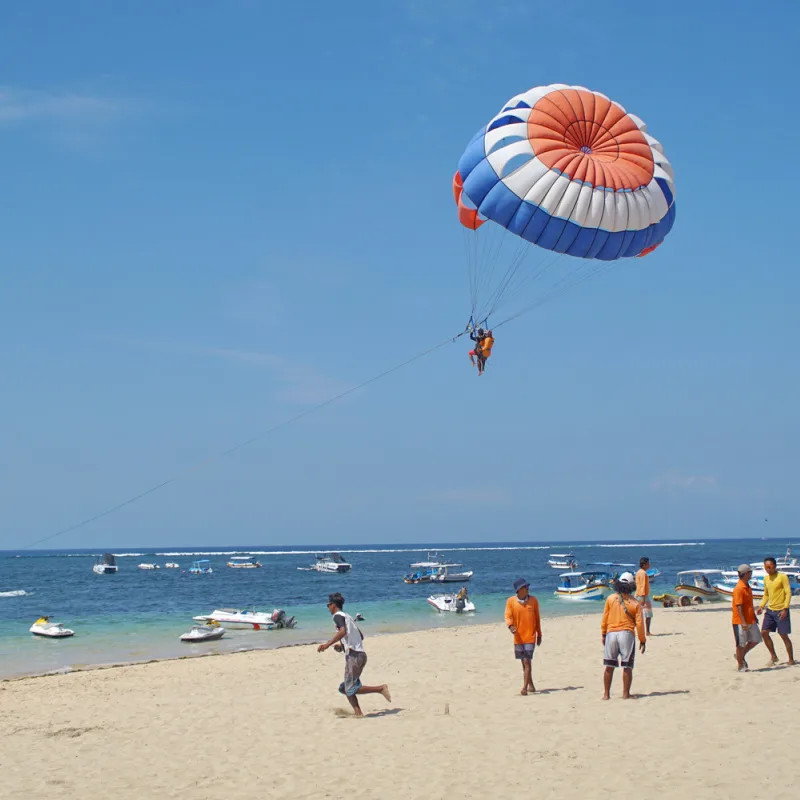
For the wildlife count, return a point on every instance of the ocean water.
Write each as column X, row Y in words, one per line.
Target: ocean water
column 138, row 615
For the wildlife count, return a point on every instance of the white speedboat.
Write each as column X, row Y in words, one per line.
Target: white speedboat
column 201, row 567
column 171, row 565
column 243, row 562
column 52, row 630
column 445, row 574
column 209, row 632
column 698, row 583
column 584, row 586
column 562, row 561
column 106, row 564
column 331, row 562
column 249, row 619
column 451, row 602
column 148, row 566
column 725, row 588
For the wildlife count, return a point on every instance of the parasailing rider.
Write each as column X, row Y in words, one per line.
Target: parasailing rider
column 484, row 342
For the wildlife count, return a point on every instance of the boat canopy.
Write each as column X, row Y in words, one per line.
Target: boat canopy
column 562, row 555
column 242, row 558
column 609, row 564
column 700, row 572
column 109, row 559
column 433, row 565
column 594, row 574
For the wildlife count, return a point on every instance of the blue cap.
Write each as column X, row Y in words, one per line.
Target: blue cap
column 519, row 583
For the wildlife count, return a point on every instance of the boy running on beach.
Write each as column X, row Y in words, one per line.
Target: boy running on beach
column 745, row 629
column 622, row 620
column 777, row 599
column 348, row 639
column 522, row 619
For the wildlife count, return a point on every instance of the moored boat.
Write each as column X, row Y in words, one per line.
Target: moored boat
column 243, row 562
column 330, row 562
column 148, row 566
column 698, row 583
column 106, row 564
column 455, row 603
column 249, row 618
column 200, row 567
column 562, row 561
column 584, row 586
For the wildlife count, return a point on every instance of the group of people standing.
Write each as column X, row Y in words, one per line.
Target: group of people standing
column 627, row 616
column 624, row 616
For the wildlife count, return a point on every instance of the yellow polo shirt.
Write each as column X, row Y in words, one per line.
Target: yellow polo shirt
column 777, row 592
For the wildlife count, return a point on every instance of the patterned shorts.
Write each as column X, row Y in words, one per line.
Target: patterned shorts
column 524, row 652
column 354, row 663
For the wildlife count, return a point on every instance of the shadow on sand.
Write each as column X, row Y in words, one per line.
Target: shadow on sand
column 638, row 695
column 562, row 689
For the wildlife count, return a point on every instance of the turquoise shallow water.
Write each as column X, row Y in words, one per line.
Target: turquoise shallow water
column 137, row 615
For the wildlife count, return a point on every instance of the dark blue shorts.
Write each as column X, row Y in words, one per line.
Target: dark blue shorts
column 773, row 622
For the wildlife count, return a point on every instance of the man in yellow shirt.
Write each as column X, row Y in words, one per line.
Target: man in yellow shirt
column 777, row 599
column 522, row 619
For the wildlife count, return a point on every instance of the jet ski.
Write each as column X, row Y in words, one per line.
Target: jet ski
column 52, row 630
column 209, row 632
column 451, row 602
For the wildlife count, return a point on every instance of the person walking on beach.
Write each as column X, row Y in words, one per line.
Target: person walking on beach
column 523, row 620
column 745, row 629
column 643, row 591
column 349, row 640
column 777, row 599
column 622, row 620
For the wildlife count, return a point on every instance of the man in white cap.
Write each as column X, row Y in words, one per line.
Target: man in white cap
column 523, row 620
column 745, row 629
column 622, row 620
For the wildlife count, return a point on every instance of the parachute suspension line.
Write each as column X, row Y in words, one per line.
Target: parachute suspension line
column 262, row 434
column 561, row 287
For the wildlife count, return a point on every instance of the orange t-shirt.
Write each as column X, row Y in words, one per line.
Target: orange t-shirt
column 525, row 618
column 743, row 596
column 642, row 583
column 486, row 346
column 615, row 617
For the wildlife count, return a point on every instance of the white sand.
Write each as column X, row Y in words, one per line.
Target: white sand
column 271, row 724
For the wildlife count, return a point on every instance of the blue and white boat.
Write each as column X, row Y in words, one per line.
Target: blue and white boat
column 584, row 585
column 201, row 567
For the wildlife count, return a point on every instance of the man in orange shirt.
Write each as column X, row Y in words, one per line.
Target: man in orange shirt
column 745, row 629
column 622, row 620
column 522, row 619
column 643, row 591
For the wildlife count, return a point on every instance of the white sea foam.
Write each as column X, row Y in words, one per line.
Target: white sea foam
column 16, row 593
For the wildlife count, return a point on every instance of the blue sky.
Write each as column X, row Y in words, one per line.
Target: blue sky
column 216, row 215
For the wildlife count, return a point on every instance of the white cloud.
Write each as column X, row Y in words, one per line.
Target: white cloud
column 19, row 106
column 484, row 496
column 676, row 480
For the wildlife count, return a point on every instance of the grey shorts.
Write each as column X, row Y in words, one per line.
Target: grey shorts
column 647, row 605
column 524, row 652
column 744, row 637
column 354, row 663
column 620, row 649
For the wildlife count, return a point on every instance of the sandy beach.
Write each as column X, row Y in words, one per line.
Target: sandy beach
column 271, row 723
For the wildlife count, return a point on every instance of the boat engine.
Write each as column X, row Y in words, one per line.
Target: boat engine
column 281, row 620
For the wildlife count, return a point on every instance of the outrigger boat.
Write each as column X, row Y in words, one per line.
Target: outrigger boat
column 584, row 586
column 200, row 567
column 243, row 562
column 698, row 583
column 562, row 561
